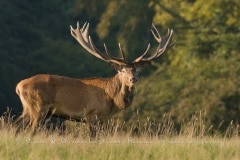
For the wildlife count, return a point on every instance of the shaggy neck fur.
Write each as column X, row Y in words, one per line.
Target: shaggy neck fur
column 121, row 94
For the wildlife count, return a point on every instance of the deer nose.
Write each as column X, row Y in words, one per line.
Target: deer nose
column 133, row 80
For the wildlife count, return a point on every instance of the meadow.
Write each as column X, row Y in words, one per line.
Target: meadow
column 115, row 141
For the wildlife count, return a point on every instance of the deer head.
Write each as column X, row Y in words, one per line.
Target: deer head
column 127, row 70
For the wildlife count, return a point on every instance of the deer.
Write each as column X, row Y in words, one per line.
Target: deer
column 88, row 100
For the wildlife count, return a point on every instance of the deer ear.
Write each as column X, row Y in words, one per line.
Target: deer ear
column 141, row 65
column 116, row 67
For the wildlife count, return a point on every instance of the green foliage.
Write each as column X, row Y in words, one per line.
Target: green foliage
column 203, row 70
column 129, row 23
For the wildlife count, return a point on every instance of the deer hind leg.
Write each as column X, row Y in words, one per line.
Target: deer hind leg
column 38, row 116
column 22, row 123
column 26, row 121
column 32, row 114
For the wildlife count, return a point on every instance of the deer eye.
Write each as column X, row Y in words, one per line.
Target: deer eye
column 123, row 71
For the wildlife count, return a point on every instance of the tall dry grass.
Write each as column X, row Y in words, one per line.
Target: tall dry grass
column 118, row 140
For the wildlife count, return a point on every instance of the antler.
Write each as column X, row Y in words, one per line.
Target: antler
column 82, row 36
column 164, row 43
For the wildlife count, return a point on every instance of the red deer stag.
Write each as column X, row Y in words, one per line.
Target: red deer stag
column 88, row 100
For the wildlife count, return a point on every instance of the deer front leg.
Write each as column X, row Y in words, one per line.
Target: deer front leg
column 94, row 129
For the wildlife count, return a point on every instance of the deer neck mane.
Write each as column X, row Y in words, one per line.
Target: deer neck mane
column 121, row 94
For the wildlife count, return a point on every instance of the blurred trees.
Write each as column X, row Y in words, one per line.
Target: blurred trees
column 201, row 72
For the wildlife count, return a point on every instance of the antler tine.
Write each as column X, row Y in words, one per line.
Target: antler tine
column 106, row 50
column 170, row 45
column 121, row 51
column 163, row 45
column 83, row 27
column 112, row 57
column 143, row 55
column 166, row 41
column 85, row 40
column 158, row 36
column 85, row 31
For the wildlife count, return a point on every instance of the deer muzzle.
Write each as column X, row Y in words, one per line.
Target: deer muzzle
column 133, row 80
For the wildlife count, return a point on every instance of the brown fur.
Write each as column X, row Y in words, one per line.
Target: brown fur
column 78, row 99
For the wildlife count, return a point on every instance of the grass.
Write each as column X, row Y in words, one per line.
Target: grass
column 152, row 141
